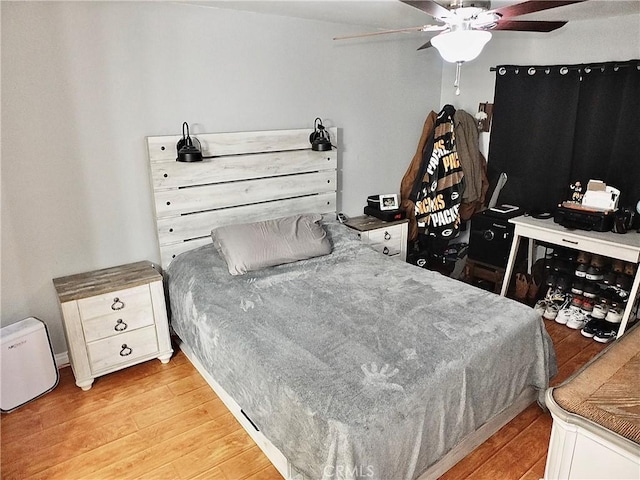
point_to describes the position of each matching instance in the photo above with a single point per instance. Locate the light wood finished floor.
(163, 422)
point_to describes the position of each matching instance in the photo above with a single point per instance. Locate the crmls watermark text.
(341, 471)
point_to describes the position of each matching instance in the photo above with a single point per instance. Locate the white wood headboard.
(244, 177)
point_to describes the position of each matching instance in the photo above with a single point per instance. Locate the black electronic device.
(491, 235)
(384, 215)
(574, 217)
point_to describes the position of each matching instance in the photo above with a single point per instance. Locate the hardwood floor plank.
(536, 472)
(467, 466)
(243, 465)
(269, 473)
(212, 453)
(58, 446)
(156, 455)
(520, 454)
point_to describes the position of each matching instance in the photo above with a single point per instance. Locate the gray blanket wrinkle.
(354, 361)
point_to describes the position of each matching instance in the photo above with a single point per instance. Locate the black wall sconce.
(319, 138)
(187, 151)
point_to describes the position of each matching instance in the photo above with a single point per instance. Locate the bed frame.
(252, 176)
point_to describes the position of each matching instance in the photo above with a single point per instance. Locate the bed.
(344, 365)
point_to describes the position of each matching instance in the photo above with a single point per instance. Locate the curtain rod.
(586, 67)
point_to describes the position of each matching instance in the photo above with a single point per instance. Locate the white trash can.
(28, 367)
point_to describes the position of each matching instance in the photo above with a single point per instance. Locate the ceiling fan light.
(461, 45)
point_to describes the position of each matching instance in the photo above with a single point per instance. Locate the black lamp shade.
(187, 151)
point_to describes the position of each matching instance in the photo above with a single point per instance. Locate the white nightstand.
(113, 318)
(388, 238)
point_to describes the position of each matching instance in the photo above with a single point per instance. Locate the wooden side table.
(388, 238)
(113, 318)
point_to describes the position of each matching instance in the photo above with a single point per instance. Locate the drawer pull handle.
(385, 250)
(125, 350)
(121, 326)
(572, 242)
(387, 236)
(117, 304)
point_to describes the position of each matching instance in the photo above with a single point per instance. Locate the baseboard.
(62, 360)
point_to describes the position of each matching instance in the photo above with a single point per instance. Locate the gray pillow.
(252, 246)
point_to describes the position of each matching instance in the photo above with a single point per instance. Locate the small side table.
(388, 238)
(113, 318)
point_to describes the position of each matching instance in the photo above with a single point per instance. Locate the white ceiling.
(390, 14)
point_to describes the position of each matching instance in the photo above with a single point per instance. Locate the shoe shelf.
(591, 279)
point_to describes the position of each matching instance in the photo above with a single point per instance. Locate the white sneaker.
(564, 315)
(540, 307)
(551, 312)
(578, 320)
(614, 315)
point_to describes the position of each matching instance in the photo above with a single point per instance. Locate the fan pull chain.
(457, 81)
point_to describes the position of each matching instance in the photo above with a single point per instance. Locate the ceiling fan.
(465, 25)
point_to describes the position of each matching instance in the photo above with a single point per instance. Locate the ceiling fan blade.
(528, 25)
(426, 45)
(531, 6)
(424, 28)
(429, 6)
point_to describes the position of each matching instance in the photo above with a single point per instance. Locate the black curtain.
(555, 125)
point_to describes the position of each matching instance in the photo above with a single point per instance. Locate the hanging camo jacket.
(438, 190)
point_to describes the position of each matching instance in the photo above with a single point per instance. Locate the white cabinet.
(113, 318)
(388, 238)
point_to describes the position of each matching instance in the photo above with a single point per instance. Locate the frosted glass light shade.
(461, 45)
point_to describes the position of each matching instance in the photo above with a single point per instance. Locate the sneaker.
(540, 307)
(578, 287)
(565, 314)
(591, 290)
(581, 271)
(577, 301)
(592, 327)
(609, 278)
(577, 321)
(614, 315)
(599, 311)
(607, 333)
(594, 274)
(551, 312)
(587, 304)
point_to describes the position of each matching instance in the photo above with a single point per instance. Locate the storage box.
(28, 366)
(600, 196)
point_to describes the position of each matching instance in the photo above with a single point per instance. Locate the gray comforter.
(355, 364)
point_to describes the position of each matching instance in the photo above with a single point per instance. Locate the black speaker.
(490, 238)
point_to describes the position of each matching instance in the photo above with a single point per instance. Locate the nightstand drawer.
(386, 236)
(117, 323)
(124, 348)
(119, 301)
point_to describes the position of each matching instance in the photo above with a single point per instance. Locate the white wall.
(83, 83)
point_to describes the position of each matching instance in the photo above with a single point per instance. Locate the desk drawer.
(591, 245)
(121, 349)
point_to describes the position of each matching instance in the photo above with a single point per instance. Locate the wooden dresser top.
(98, 282)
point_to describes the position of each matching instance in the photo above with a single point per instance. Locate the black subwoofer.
(490, 238)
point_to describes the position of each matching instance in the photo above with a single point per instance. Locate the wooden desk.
(624, 247)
